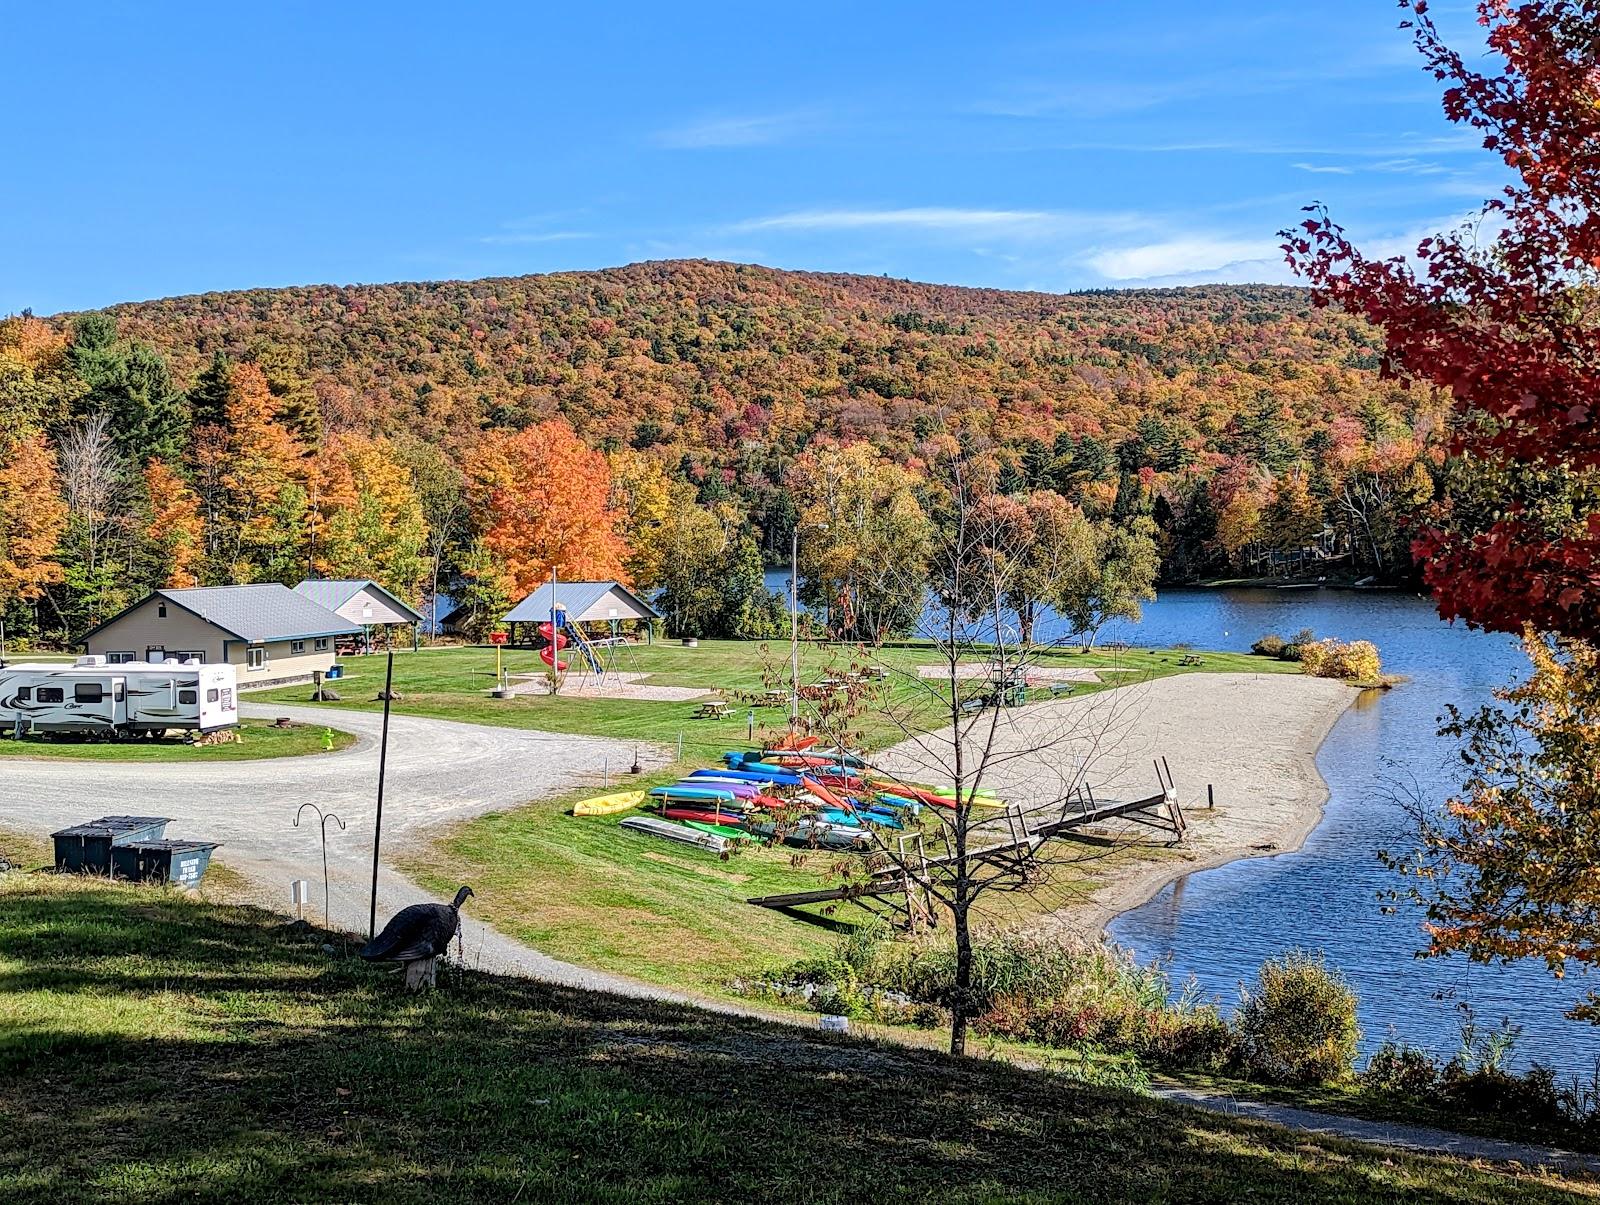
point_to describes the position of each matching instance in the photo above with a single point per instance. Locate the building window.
(121, 657)
(87, 692)
(51, 694)
(192, 655)
(296, 647)
(188, 696)
(255, 657)
(161, 610)
(211, 695)
(322, 644)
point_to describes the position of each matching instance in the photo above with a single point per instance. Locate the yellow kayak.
(602, 805)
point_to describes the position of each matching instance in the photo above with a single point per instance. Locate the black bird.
(417, 935)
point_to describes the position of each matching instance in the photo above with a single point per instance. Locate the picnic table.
(774, 698)
(713, 709)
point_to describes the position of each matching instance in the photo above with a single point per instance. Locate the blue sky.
(163, 149)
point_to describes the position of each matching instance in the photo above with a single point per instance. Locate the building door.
(155, 654)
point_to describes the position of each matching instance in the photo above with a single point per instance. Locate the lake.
(1219, 925)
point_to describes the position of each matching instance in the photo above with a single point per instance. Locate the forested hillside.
(671, 422)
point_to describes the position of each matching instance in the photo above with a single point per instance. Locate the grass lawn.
(586, 890)
(156, 1048)
(259, 739)
(453, 684)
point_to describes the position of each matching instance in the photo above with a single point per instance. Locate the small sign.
(497, 637)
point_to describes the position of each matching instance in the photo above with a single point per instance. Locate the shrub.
(1270, 645)
(1356, 661)
(1298, 1025)
(1292, 649)
(1396, 1069)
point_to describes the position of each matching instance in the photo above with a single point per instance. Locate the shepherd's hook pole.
(377, 828)
(327, 915)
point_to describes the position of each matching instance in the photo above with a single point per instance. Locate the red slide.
(548, 653)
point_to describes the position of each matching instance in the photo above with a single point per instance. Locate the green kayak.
(720, 830)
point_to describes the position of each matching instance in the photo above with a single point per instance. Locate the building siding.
(180, 631)
(368, 608)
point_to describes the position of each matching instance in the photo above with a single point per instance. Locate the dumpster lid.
(111, 824)
(169, 845)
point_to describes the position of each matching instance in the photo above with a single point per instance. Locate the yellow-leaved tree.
(1510, 867)
(369, 519)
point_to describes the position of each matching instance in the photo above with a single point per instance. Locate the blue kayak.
(775, 777)
(682, 792)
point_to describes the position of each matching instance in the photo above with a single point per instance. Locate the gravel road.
(439, 771)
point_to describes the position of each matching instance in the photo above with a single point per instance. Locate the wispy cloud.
(718, 133)
(1179, 256)
(522, 237)
(1012, 222)
(1327, 168)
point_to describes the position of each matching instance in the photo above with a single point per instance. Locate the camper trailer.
(130, 698)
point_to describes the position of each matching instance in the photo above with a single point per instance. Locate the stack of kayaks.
(808, 795)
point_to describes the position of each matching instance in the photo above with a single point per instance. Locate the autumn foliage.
(544, 502)
(1512, 868)
(1502, 315)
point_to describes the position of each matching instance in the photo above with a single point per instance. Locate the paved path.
(441, 771)
(1423, 1139)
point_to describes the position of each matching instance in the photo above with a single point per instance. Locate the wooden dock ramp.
(900, 891)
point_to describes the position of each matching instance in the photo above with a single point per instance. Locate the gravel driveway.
(439, 771)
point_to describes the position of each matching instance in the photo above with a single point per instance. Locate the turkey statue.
(416, 936)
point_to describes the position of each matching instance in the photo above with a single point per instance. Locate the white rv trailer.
(123, 699)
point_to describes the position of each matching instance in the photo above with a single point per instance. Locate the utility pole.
(794, 626)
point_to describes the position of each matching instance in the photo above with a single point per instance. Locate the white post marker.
(300, 889)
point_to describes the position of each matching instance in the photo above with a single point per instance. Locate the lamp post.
(794, 625)
(794, 617)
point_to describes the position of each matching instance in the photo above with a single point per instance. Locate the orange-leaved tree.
(542, 498)
(32, 518)
(175, 529)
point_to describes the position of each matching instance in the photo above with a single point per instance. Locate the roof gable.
(334, 593)
(577, 599)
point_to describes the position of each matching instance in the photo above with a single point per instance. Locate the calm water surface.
(1219, 925)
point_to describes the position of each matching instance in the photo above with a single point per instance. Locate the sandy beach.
(1252, 738)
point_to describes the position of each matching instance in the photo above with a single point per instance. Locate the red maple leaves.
(1503, 313)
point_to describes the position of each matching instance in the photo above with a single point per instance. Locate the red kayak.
(704, 815)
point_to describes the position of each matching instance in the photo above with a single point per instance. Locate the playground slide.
(548, 653)
(569, 634)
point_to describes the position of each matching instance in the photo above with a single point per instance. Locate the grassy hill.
(155, 1047)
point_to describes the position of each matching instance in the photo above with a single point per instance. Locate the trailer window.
(188, 696)
(119, 692)
(88, 692)
(211, 695)
(24, 694)
(51, 694)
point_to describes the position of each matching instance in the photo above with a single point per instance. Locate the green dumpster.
(179, 862)
(86, 848)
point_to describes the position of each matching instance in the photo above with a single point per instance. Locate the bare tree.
(962, 732)
(93, 482)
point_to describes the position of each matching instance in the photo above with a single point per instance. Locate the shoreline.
(1253, 738)
(1126, 888)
